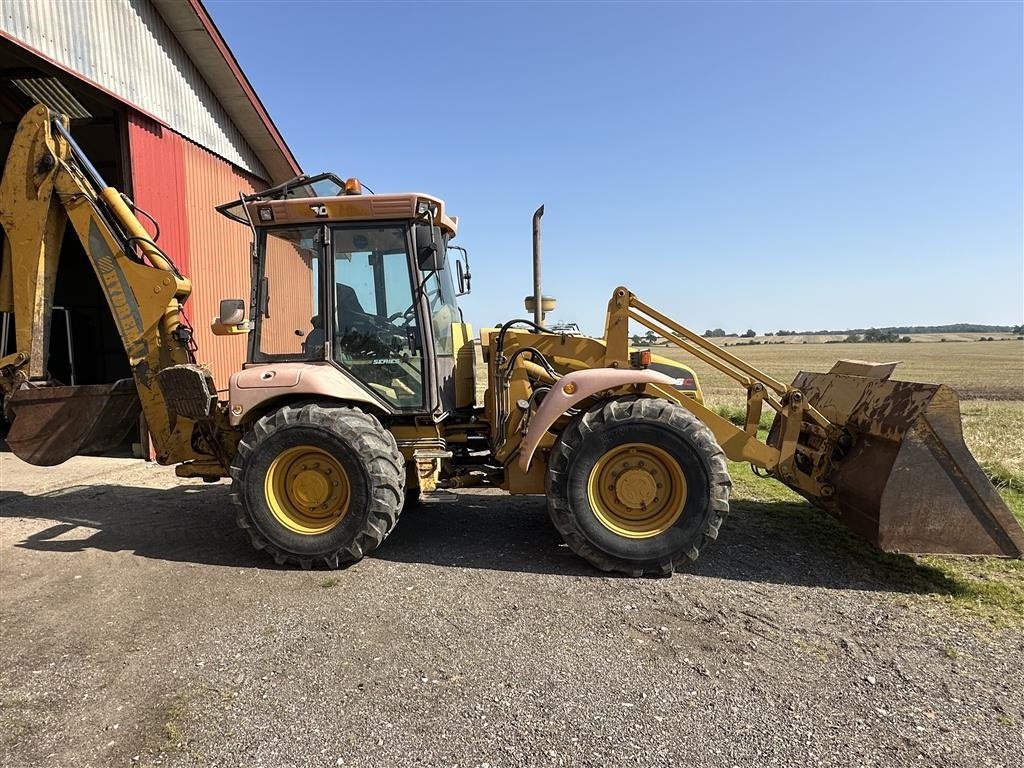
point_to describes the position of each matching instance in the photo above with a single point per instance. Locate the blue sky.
(739, 165)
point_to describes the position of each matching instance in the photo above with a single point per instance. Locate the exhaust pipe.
(538, 309)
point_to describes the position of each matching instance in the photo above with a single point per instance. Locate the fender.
(574, 388)
(253, 386)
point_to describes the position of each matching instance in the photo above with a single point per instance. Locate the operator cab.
(360, 282)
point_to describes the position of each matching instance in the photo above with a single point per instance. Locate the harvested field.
(992, 370)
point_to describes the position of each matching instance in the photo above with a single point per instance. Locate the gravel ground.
(139, 628)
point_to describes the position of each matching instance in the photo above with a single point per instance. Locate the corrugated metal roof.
(127, 48)
(50, 92)
(197, 33)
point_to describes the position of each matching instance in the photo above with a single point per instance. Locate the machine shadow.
(779, 543)
(187, 523)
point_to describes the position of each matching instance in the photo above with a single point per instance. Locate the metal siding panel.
(158, 182)
(126, 47)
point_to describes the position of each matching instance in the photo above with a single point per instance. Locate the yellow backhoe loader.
(360, 388)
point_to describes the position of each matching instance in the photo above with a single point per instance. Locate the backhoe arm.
(48, 182)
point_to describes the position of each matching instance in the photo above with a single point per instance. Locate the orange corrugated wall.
(291, 298)
(218, 255)
(219, 263)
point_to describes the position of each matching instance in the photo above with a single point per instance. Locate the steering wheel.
(408, 316)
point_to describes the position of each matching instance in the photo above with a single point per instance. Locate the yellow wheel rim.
(307, 490)
(637, 490)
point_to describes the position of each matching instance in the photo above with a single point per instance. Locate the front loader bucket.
(49, 425)
(902, 475)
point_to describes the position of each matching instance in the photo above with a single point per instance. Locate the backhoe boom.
(48, 182)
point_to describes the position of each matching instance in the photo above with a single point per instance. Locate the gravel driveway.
(139, 628)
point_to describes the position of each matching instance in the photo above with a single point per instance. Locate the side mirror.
(463, 276)
(232, 311)
(429, 248)
(231, 319)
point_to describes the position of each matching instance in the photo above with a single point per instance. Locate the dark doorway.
(84, 344)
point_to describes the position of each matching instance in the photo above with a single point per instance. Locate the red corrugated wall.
(158, 184)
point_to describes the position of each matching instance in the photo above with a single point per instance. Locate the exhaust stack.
(538, 308)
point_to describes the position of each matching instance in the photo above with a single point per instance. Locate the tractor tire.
(606, 472)
(318, 484)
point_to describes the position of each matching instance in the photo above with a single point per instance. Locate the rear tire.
(637, 485)
(317, 484)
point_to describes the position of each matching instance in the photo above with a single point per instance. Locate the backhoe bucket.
(908, 482)
(49, 425)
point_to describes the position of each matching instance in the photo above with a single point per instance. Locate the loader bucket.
(49, 425)
(903, 477)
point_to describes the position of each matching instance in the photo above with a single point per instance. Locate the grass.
(991, 589)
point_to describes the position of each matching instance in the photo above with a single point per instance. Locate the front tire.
(318, 484)
(637, 485)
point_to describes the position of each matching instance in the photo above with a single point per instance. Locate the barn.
(162, 108)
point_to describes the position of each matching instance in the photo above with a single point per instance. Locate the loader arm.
(779, 458)
(48, 182)
(886, 457)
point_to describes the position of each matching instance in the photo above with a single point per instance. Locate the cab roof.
(326, 197)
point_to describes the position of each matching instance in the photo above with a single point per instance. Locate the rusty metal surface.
(908, 482)
(49, 425)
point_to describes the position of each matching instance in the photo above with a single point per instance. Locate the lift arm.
(795, 414)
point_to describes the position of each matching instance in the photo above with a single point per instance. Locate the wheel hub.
(637, 490)
(307, 490)
(310, 488)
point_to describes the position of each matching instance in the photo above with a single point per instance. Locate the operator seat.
(348, 307)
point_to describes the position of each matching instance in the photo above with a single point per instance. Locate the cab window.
(376, 337)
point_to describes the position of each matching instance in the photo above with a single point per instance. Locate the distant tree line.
(876, 336)
(891, 333)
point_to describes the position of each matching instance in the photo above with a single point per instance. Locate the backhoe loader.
(360, 388)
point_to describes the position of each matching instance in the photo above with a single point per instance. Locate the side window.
(375, 333)
(443, 309)
(292, 326)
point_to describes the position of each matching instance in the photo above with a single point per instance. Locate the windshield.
(376, 336)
